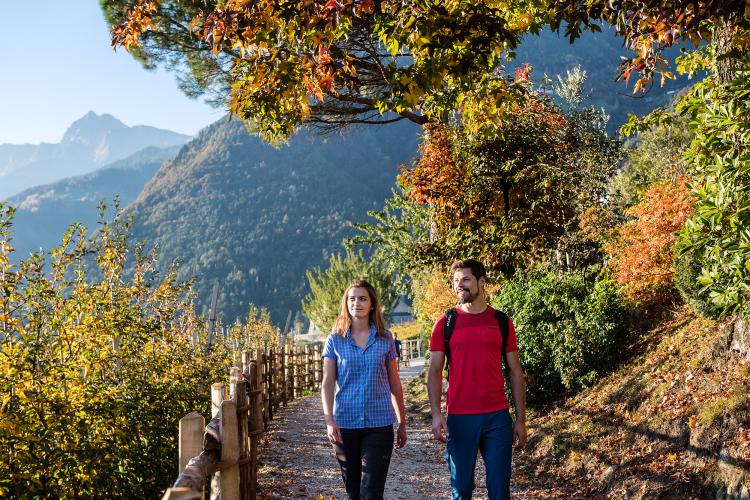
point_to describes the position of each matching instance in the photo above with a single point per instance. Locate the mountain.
(599, 54)
(233, 208)
(44, 212)
(89, 143)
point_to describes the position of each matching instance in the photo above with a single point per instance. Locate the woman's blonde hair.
(344, 321)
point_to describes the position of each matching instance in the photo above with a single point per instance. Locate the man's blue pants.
(492, 435)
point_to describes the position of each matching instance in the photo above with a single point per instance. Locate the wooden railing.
(228, 446)
(410, 349)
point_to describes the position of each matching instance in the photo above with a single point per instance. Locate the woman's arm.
(397, 400)
(327, 391)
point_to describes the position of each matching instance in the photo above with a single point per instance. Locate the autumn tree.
(331, 63)
(651, 27)
(512, 200)
(643, 252)
(323, 303)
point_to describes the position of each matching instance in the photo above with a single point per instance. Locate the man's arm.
(435, 393)
(518, 391)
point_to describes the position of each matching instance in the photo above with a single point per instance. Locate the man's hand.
(401, 435)
(334, 433)
(519, 434)
(439, 428)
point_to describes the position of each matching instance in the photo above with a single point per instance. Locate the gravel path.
(298, 461)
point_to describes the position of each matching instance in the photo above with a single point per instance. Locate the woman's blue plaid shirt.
(363, 394)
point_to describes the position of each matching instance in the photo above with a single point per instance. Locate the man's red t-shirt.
(476, 376)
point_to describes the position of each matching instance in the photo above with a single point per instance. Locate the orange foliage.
(643, 253)
(435, 179)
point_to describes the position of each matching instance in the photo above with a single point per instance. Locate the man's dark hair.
(477, 268)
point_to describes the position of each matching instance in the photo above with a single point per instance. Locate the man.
(478, 410)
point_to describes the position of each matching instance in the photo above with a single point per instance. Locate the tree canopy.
(278, 64)
(332, 63)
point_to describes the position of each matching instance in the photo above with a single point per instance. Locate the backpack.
(450, 324)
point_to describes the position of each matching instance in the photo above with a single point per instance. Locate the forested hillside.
(231, 207)
(44, 212)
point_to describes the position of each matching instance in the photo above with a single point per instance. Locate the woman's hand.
(334, 433)
(401, 435)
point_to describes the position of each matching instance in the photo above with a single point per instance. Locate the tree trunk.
(728, 55)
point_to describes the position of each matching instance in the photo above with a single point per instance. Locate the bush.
(687, 273)
(643, 251)
(96, 368)
(569, 330)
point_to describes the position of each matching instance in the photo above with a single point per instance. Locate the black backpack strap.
(450, 325)
(503, 323)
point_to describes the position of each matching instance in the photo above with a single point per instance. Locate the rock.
(607, 477)
(740, 340)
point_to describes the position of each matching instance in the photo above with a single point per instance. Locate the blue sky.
(56, 64)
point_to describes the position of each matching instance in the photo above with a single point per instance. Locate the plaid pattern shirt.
(363, 394)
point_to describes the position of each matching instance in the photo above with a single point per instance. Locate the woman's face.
(358, 303)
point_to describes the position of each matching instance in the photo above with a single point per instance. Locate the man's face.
(466, 286)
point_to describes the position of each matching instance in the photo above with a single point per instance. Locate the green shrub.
(569, 330)
(687, 273)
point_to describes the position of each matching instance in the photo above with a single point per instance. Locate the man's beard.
(467, 297)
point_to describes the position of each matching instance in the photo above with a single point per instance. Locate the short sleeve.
(512, 344)
(329, 351)
(437, 342)
(391, 350)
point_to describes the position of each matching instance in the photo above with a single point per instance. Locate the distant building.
(401, 313)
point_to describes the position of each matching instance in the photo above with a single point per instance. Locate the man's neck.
(476, 307)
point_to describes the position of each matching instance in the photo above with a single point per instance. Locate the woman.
(360, 358)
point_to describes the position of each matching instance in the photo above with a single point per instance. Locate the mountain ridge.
(89, 143)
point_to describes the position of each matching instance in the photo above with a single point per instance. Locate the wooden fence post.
(271, 383)
(319, 365)
(260, 381)
(192, 426)
(217, 397)
(308, 368)
(256, 400)
(294, 372)
(229, 477)
(181, 494)
(283, 380)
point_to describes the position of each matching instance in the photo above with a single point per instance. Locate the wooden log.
(181, 493)
(229, 478)
(191, 438)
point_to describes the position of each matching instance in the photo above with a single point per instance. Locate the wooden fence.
(410, 349)
(228, 446)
